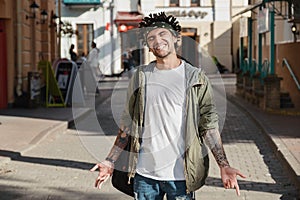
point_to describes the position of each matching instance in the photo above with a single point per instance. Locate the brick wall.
(289, 51)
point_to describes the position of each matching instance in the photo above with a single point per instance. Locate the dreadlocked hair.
(160, 17)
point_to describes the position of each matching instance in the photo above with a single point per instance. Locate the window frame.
(175, 4)
(193, 4)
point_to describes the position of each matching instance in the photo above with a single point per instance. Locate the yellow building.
(27, 34)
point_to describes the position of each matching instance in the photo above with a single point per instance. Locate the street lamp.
(33, 8)
(123, 28)
(295, 31)
(44, 16)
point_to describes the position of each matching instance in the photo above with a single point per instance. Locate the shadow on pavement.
(47, 161)
(13, 192)
(10, 192)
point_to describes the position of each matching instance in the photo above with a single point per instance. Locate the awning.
(250, 7)
(128, 18)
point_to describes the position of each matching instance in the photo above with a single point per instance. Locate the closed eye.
(150, 39)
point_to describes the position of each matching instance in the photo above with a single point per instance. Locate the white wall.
(239, 3)
(222, 10)
(109, 46)
(80, 15)
(126, 5)
(222, 42)
(283, 32)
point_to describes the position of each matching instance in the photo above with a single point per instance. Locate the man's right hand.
(106, 169)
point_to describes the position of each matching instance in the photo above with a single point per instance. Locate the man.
(92, 66)
(73, 55)
(170, 114)
(93, 57)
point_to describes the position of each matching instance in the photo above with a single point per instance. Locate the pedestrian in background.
(125, 61)
(93, 56)
(73, 55)
(93, 61)
(128, 63)
(171, 117)
(92, 64)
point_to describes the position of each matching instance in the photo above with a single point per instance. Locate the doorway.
(3, 66)
(189, 47)
(84, 38)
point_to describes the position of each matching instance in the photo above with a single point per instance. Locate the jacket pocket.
(197, 165)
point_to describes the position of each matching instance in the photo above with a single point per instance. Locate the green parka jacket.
(200, 116)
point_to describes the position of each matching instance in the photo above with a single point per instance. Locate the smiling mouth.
(160, 47)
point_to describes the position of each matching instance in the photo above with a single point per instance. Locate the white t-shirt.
(93, 57)
(93, 63)
(163, 144)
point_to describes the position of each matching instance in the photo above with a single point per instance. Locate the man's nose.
(156, 41)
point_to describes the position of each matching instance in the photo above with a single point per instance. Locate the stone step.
(285, 100)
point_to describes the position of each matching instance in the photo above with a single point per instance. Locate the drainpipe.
(249, 43)
(19, 49)
(112, 41)
(242, 53)
(59, 30)
(259, 52)
(272, 41)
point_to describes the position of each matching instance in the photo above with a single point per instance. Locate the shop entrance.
(3, 66)
(189, 48)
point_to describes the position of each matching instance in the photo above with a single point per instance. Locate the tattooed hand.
(228, 175)
(106, 169)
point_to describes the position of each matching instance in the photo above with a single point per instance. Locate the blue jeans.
(149, 189)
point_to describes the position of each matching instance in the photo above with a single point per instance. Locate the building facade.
(268, 34)
(27, 35)
(207, 23)
(98, 21)
(90, 21)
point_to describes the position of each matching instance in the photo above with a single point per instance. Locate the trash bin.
(34, 89)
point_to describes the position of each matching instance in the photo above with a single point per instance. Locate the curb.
(278, 147)
(56, 128)
(59, 127)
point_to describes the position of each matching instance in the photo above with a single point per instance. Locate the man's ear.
(179, 40)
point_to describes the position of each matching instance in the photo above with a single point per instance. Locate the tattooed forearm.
(213, 140)
(120, 143)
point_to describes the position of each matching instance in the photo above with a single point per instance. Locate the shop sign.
(190, 13)
(243, 26)
(65, 76)
(81, 2)
(198, 14)
(263, 20)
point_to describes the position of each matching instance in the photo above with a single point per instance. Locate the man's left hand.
(228, 175)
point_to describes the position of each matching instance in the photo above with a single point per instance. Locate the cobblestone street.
(58, 168)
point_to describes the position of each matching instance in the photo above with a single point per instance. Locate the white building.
(92, 21)
(207, 22)
(206, 26)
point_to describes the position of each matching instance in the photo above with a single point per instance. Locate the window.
(195, 3)
(174, 3)
(84, 38)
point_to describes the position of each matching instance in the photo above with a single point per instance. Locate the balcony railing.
(285, 63)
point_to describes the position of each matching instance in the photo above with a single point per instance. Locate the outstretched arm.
(106, 167)
(228, 174)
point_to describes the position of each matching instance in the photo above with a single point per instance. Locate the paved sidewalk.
(281, 130)
(22, 129)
